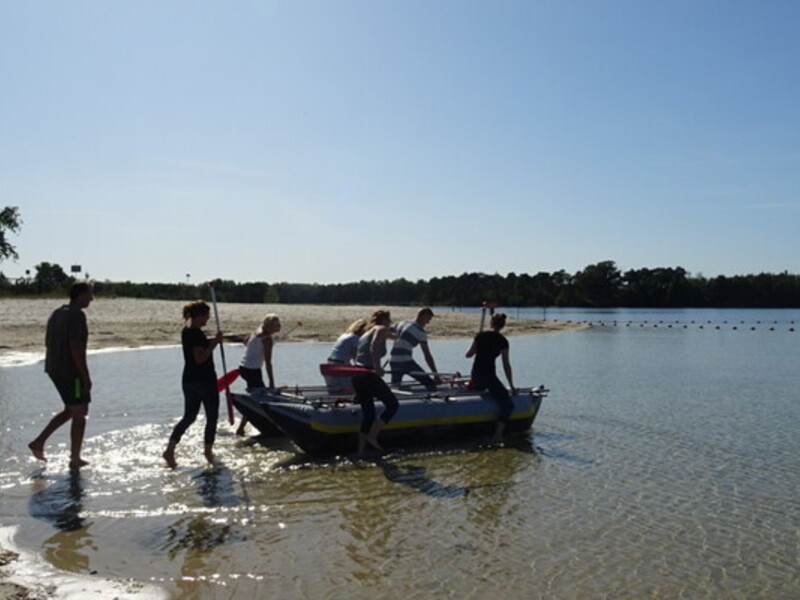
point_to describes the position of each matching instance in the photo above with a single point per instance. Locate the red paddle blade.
(226, 380)
(337, 370)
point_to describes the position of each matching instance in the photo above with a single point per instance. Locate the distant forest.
(598, 285)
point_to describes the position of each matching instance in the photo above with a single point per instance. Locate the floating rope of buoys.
(707, 324)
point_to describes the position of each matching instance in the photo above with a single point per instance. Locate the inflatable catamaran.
(323, 423)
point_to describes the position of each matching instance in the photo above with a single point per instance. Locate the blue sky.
(334, 141)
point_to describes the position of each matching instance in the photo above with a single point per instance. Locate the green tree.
(50, 277)
(599, 284)
(9, 221)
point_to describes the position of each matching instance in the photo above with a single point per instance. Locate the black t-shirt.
(190, 339)
(66, 324)
(488, 346)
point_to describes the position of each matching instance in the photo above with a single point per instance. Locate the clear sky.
(340, 140)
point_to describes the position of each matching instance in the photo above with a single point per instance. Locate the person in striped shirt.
(408, 335)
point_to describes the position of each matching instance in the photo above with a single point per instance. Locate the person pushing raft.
(486, 347)
(408, 335)
(344, 353)
(370, 385)
(258, 353)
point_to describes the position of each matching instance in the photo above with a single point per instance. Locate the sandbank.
(135, 322)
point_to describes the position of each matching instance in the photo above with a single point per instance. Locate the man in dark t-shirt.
(65, 363)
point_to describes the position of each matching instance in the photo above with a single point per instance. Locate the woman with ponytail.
(199, 380)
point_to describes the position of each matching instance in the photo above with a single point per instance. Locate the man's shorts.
(71, 390)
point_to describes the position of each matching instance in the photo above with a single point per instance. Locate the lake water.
(664, 464)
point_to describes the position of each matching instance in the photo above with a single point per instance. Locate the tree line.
(598, 285)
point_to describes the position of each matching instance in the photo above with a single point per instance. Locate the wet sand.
(133, 323)
(10, 590)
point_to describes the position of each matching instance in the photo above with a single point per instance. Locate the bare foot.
(77, 463)
(169, 456)
(37, 451)
(373, 441)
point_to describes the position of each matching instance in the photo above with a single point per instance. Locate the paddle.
(228, 396)
(227, 379)
(490, 305)
(288, 333)
(340, 370)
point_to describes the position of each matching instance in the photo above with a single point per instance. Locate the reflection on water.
(216, 486)
(58, 500)
(552, 444)
(416, 478)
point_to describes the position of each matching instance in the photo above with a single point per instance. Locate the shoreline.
(135, 323)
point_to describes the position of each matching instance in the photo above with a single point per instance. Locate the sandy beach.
(133, 323)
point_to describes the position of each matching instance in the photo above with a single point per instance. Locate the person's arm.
(202, 353)
(507, 369)
(378, 340)
(267, 343)
(352, 352)
(426, 352)
(472, 350)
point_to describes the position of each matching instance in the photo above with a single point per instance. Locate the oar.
(490, 306)
(228, 396)
(226, 380)
(288, 333)
(341, 370)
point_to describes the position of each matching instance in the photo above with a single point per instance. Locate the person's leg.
(78, 413)
(252, 377)
(418, 373)
(505, 404)
(70, 392)
(191, 407)
(211, 406)
(382, 392)
(390, 403)
(255, 381)
(37, 445)
(364, 396)
(398, 370)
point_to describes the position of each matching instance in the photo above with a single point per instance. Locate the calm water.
(663, 465)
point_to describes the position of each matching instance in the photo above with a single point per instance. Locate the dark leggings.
(367, 388)
(252, 377)
(498, 391)
(413, 370)
(195, 394)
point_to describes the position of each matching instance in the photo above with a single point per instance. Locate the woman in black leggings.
(371, 349)
(486, 347)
